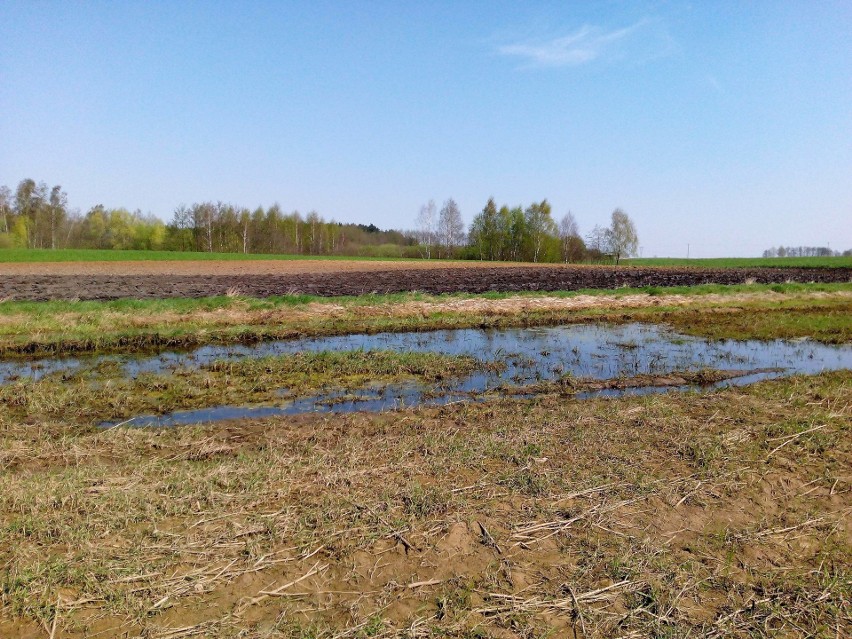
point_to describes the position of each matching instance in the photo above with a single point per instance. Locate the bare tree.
(568, 226)
(425, 226)
(621, 235)
(572, 245)
(245, 222)
(5, 208)
(202, 221)
(57, 208)
(313, 221)
(597, 242)
(31, 203)
(450, 227)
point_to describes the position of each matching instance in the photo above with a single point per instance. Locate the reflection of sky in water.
(599, 351)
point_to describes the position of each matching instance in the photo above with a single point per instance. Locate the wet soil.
(585, 360)
(509, 519)
(39, 286)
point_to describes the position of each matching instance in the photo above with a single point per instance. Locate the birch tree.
(622, 237)
(571, 245)
(540, 226)
(425, 226)
(450, 227)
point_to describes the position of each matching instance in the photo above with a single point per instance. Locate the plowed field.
(148, 280)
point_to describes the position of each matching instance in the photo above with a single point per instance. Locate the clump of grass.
(422, 502)
(702, 452)
(527, 481)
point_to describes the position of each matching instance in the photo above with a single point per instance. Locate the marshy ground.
(722, 513)
(819, 311)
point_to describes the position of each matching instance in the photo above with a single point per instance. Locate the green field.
(744, 262)
(109, 255)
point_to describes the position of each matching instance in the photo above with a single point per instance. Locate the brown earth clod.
(106, 281)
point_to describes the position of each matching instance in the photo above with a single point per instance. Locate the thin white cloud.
(589, 44)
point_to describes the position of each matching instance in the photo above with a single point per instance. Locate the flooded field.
(518, 499)
(514, 361)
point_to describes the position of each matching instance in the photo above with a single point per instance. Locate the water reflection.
(529, 355)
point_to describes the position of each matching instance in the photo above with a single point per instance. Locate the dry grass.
(40, 328)
(724, 514)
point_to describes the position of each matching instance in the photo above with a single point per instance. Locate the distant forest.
(805, 251)
(35, 215)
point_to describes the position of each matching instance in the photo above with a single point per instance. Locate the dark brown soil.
(432, 280)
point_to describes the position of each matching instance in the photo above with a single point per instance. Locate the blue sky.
(723, 125)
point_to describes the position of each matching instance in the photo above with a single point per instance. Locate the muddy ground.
(724, 514)
(720, 514)
(62, 281)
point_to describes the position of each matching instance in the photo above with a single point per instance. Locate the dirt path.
(153, 280)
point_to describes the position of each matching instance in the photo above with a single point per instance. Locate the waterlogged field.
(641, 462)
(393, 370)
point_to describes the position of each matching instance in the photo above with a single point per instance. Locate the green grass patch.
(114, 255)
(827, 324)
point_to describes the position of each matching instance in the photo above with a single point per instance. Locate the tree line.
(805, 251)
(36, 215)
(532, 235)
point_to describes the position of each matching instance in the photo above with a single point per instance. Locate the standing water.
(527, 356)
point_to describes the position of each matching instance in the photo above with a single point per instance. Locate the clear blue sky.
(723, 125)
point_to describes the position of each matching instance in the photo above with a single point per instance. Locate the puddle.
(530, 355)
